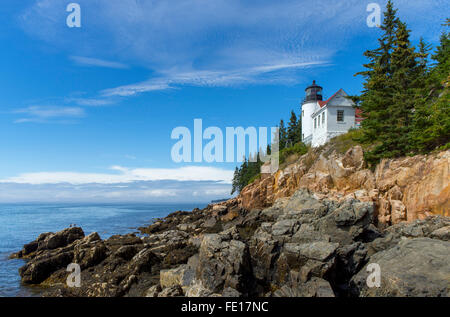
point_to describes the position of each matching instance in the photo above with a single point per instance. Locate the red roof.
(323, 103)
(358, 111)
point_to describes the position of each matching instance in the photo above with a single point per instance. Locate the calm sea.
(20, 224)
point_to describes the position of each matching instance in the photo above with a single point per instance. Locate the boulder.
(415, 267)
(153, 291)
(60, 239)
(223, 263)
(198, 290)
(316, 287)
(39, 269)
(88, 254)
(182, 276)
(442, 233)
(173, 291)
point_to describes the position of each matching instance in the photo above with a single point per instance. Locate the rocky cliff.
(402, 189)
(304, 245)
(315, 228)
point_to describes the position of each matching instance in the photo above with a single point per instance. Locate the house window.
(303, 136)
(340, 116)
(315, 123)
(323, 118)
(318, 121)
(303, 113)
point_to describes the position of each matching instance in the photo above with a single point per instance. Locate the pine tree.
(431, 127)
(283, 135)
(424, 49)
(405, 72)
(378, 93)
(269, 149)
(243, 175)
(235, 182)
(294, 131)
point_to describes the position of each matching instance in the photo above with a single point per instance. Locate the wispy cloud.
(134, 89)
(142, 191)
(125, 175)
(214, 43)
(261, 74)
(122, 184)
(42, 114)
(92, 102)
(89, 61)
(219, 43)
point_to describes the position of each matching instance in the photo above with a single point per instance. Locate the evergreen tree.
(377, 95)
(431, 127)
(294, 131)
(405, 75)
(234, 184)
(424, 49)
(283, 135)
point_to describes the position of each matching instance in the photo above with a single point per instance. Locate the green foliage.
(342, 143)
(283, 135)
(294, 131)
(298, 149)
(246, 173)
(401, 117)
(289, 143)
(431, 124)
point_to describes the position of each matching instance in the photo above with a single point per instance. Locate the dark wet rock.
(127, 252)
(42, 267)
(60, 239)
(90, 251)
(49, 241)
(300, 246)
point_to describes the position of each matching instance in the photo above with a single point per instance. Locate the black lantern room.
(313, 93)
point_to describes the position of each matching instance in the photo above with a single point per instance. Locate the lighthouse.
(324, 120)
(309, 105)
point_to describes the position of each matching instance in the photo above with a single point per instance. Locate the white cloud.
(160, 193)
(141, 191)
(125, 175)
(46, 113)
(92, 102)
(89, 61)
(214, 43)
(260, 74)
(134, 89)
(193, 42)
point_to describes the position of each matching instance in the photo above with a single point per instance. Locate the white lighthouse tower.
(309, 106)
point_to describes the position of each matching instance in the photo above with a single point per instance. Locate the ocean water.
(20, 224)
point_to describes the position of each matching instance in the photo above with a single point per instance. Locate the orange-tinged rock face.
(403, 189)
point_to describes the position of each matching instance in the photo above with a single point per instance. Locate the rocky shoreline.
(303, 245)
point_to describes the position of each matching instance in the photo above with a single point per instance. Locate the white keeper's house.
(323, 120)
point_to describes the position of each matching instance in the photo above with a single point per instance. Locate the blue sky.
(86, 113)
